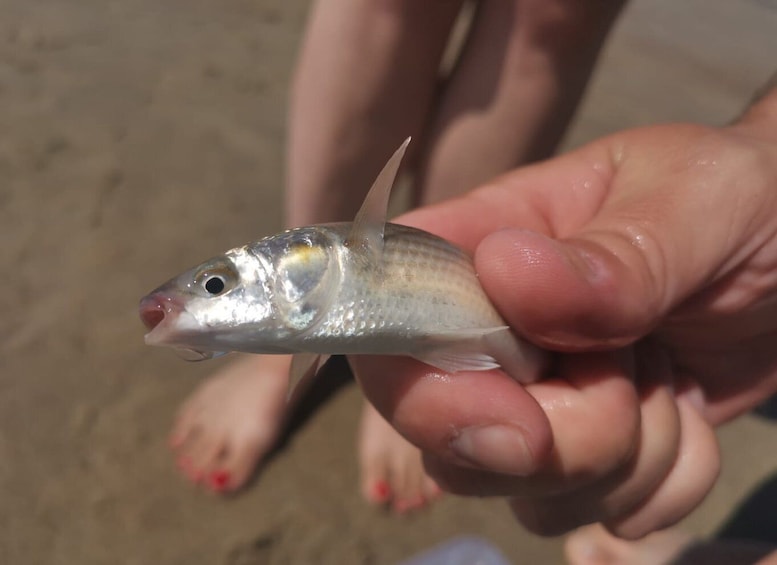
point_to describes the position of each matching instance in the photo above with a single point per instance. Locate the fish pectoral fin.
(304, 367)
(366, 235)
(459, 350)
(194, 355)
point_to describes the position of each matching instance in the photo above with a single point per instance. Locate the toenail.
(381, 491)
(219, 480)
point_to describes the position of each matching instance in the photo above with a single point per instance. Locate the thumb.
(567, 295)
(683, 209)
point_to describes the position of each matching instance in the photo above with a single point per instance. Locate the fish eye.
(216, 278)
(215, 285)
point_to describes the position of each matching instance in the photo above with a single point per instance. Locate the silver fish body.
(422, 287)
(366, 287)
(306, 290)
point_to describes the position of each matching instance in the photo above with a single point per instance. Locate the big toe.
(375, 485)
(409, 481)
(198, 454)
(392, 471)
(236, 466)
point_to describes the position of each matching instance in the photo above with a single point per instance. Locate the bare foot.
(593, 545)
(227, 426)
(231, 422)
(392, 472)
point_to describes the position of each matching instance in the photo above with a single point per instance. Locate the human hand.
(648, 261)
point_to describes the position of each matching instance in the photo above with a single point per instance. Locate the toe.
(410, 477)
(185, 454)
(237, 466)
(218, 481)
(375, 485)
(186, 422)
(402, 485)
(373, 463)
(430, 489)
(205, 455)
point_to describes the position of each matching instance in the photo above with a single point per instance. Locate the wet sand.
(139, 137)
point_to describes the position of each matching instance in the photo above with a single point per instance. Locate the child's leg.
(509, 99)
(366, 79)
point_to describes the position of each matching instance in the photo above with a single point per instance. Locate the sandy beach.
(138, 138)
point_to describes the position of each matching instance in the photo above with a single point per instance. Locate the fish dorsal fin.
(366, 233)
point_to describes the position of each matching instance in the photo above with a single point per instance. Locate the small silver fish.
(366, 287)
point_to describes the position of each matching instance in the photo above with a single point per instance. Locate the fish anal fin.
(366, 235)
(459, 350)
(517, 357)
(304, 367)
(453, 361)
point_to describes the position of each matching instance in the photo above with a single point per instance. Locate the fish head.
(209, 308)
(257, 298)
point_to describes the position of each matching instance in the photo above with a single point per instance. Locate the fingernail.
(695, 396)
(497, 448)
(589, 266)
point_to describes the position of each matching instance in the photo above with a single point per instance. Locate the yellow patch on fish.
(304, 253)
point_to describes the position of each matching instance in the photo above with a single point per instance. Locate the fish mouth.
(158, 312)
(164, 315)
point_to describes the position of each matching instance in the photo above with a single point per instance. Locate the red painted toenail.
(219, 480)
(381, 491)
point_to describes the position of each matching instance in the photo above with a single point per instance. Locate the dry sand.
(138, 137)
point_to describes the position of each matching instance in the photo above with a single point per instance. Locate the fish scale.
(440, 293)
